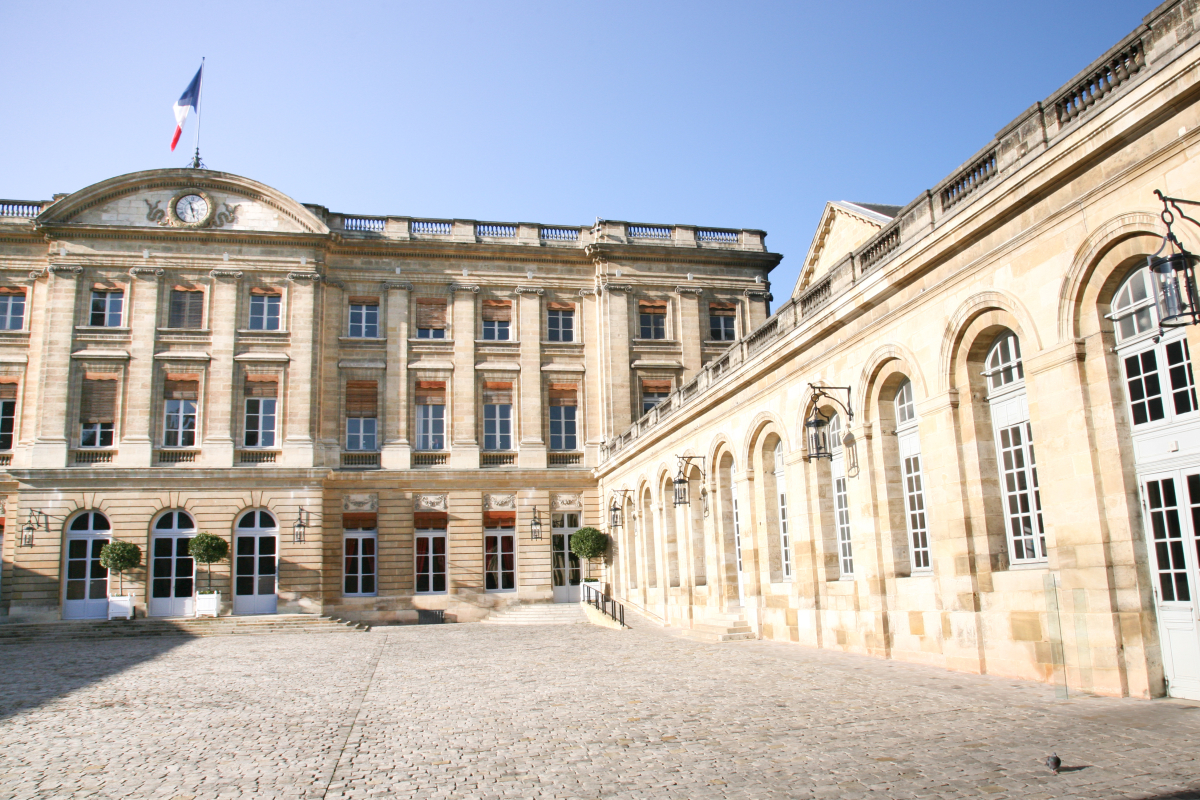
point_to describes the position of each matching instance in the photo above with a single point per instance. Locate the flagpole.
(196, 161)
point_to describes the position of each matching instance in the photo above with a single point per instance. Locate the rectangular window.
(563, 414)
(106, 308)
(652, 319)
(497, 317)
(914, 501)
(362, 410)
(653, 393)
(785, 541)
(430, 547)
(497, 415)
(842, 510)
(12, 309)
(431, 318)
(260, 422)
(431, 415)
(359, 555)
(180, 393)
(264, 311)
(364, 318)
(722, 320)
(560, 323)
(1022, 500)
(1167, 520)
(499, 557)
(98, 409)
(186, 308)
(8, 419)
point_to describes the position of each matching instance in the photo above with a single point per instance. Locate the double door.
(1172, 514)
(172, 577)
(564, 571)
(86, 592)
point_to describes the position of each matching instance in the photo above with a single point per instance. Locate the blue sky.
(732, 115)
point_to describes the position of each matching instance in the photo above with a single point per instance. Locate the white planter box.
(597, 586)
(208, 605)
(120, 606)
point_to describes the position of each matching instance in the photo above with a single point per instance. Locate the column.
(464, 452)
(50, 401)
(224, 311)
(532, 412)
(137, 426)
(397, 450)
(298, 444)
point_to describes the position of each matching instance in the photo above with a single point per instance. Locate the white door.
(1172, 506)
(565, 574)
(85, 590)
(172, 571)
(255, 563)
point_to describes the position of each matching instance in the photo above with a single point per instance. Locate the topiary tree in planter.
(589, 543)
(206, 548)
(120, 557)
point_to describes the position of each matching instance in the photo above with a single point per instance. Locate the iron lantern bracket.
(1174, 274)
(816, 420)
(616, 511)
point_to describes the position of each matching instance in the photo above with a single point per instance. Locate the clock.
(191, 209)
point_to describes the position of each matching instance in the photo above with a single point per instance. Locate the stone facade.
(360, 376)
(973, 556)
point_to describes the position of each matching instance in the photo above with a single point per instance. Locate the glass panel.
(245, 545)
(1168, 537)
(77, 590)
(161, 588)
(98, 590)
(166, 522)
(265, 520)
(76, 570)
(266, 565)
(99, 521)
(558, 566)
(247, 520)
(80, 523)
(77, 548)
(183, 587)
(244, 585)
(266, 584)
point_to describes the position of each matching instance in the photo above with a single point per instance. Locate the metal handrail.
(605, 605)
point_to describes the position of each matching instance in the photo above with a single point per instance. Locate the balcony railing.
(176, 456)
(489, 460)
(560, 234)
(648, 232)
(567, 459)
(93, 456)
(360, 460)
(496, 231)
(367, 224)
(720, 237)
(424, 460)
(257, 456)
(5, 459)
(430, 227)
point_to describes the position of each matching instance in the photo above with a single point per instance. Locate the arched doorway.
(172, 571)
(85, 589)
(255, 563)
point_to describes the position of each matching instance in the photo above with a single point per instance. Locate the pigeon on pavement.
(1053, 762)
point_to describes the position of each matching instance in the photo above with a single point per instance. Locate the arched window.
(785, 541)
(909, 441)
(841, 498)
(1159, 384)
(1014, 450)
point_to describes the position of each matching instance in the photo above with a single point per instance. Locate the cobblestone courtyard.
(572, 711)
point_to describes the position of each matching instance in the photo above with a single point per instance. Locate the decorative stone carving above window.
(566, 502)
(430, 502)
(361, 503)
(500, 502)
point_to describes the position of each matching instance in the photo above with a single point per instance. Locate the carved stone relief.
(361, 503)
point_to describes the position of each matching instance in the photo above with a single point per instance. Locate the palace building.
(967, 439)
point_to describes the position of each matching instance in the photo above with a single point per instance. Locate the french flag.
(190, 99)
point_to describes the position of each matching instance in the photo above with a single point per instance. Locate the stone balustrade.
(26, 209)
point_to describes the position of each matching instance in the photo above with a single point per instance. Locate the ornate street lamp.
(1174, 271)
(816, 426)
(681, 479)
(535, 526)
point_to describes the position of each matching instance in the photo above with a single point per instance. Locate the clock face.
(191, 208)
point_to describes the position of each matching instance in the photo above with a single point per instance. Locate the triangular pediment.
(843, 228)
(145, 199)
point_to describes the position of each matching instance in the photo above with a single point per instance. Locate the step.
(704, 627)
(538, 614)
(705, 636)
(221, 626)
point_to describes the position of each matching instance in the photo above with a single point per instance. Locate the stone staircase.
(730, 626)
(538, 614)
(74, 630)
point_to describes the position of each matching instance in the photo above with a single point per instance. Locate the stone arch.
(754, 430)
(875, 363)
(976, 305)
(1087, 258)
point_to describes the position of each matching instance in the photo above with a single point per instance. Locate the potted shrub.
(206, 548)
(589, 543)
(120, 557)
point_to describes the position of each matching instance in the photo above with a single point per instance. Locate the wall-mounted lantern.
(816, 426)
(681, 479)
(37, 520)
(1174, 271)
(616, 513)
(535, 526)
(300, 526)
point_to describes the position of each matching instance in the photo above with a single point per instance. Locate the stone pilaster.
(464, 451)
(138, 425)
(618, 382)
(224, 311)
(690, 333)
(397, 449)
(298, 443)
(51, 401)
(532, 410)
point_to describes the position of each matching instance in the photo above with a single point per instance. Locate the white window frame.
(182, 412)
(430, 573)
(360, 537)
(112, 308)
(1015, 464)
(266, 312)
(727, 331)
(785, 541)
(362, 434)
(497, 330)
(841, 500)
(916, 510)
(431, 333)
(652, 399)
(494, 571)
(497, 427)
(431, 427)
(567, 435)
(656, 324)
(363, 321)
(12, 312)
(266, 436)
(99, 431)
(556, 331)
